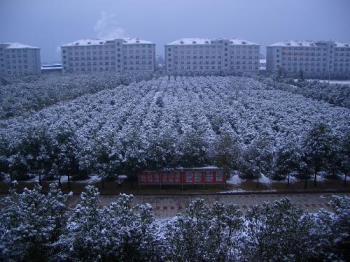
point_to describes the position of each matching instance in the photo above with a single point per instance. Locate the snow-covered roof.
(191, 41)
(295, 43)
(130, 41)
(18, 45)
(307, 43)
(87, 42)
(338, 44)
(241, 42)
(207, 41)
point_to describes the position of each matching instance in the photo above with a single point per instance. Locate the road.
(165, 206)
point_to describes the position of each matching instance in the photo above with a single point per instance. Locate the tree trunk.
(39, 178)
(345, 175)
(305, 184)
(59, 181)
(315, 179)
(103, 182)
(288, 180)
(68, 176)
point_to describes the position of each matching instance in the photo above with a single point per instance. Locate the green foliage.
(204, 233)
(39, 227)
(30, 223)
(320, 150)
(276, 231)
(287, 161)
(227, 152)
(118, 232)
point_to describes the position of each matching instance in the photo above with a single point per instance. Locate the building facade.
(211, 56)
(309, 59)
(116, 55)
(182, 177)
(18, 59)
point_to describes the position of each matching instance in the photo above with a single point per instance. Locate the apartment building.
(310, 59)
(115, 55)
(211, 56)
(18, 59)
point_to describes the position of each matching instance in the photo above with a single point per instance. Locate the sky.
(51, 23)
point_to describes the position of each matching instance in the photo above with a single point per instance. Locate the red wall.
(182, 177)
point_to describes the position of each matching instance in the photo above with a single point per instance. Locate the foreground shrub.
(30, 223)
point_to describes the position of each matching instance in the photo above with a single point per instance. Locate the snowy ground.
(235, 180)
(340, 82)
(165, 206)
(91, 180)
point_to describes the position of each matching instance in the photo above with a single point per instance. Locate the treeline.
(27, 95)
(50, 157)
(236, 123)
(335, 94)
(40, 227)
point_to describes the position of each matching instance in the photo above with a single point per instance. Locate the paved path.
(167, 206)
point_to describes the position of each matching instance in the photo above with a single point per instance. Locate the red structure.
(183, 176)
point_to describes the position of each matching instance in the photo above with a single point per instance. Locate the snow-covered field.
(177, 122)
(24, 96)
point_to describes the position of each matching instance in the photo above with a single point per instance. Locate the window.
(188, 177)
(156, 178)
(209, 177)
(219, 177)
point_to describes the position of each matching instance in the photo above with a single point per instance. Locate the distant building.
(211, 56)
(51, 69)
(262, 64)
(183, 177)
(309, 59)
(116, 55)
(18, 59)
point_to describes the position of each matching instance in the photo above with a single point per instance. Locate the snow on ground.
(64, 179)
(233, 191)
(292, 179)
(339, 82)
(342, 177)
(31, 180)
(264, 180)
(321, 177)
(234, 180)
(91, 180)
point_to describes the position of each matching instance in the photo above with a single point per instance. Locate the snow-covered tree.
(227, 152)
(203, 233)
(116, 232)
(318, 148)
(276, 231)
(287, 161)
(160, 123)
(4, 162)
(257, 158)
(30, 222)
(329, 234)
(67, 158)
(341, 225)
(345, 156)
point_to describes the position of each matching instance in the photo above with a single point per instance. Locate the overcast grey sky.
(50, 23)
